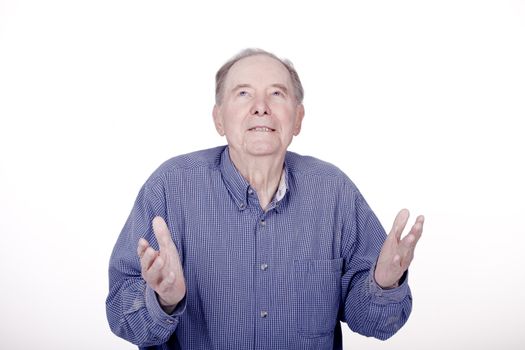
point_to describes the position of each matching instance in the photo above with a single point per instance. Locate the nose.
(260, 107)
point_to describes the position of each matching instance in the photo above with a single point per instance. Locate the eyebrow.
(281, 86)
(241, 86)
(276, 85)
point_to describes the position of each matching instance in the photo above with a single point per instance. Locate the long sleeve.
(132, 308)
(275, 279)
(368, 309)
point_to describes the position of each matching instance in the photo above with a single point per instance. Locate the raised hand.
(162, 269)
(396, 253)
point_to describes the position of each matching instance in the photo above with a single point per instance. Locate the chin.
(263, 149)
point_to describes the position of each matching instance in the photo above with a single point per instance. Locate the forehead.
(257, 70)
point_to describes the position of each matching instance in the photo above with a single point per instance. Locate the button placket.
(263, 276)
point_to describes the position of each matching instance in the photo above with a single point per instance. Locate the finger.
(400, 223)
(408, 245)
(155, 270)
(141, 247)
(414, 235)
(407, 259)
(421, 221)
(162, 233)
(417, 228)
(147, 259)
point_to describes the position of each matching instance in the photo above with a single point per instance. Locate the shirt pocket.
(317, 285)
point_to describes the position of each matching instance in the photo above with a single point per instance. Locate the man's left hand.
(396, 253)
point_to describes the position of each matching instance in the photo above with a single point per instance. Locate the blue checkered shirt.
(280, 278)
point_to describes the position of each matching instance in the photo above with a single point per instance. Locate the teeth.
(262, 129)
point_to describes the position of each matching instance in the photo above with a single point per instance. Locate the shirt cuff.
(388, 296)
(158, 314)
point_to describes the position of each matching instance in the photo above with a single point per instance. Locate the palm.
(397, 253)
(162, 269)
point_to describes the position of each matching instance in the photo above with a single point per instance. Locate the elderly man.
(249, 246)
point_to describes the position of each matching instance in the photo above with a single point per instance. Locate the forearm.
(132, 308)
(135, 314)
(376, 312)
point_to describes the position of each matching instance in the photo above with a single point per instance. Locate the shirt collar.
(238, 186)
(281, 190)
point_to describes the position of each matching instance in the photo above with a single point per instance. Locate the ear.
(217, 119)
(298, 119)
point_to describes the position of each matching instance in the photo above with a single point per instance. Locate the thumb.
(162, 233)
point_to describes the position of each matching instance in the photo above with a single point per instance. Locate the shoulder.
(195, 162)
(310, 166)
(310, 169)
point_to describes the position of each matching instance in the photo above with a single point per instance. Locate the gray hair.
(220, 77)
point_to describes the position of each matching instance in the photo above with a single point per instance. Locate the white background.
(421, 103)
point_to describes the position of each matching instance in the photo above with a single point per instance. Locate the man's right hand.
(162, 269)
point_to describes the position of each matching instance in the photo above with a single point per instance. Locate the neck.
(263, 173)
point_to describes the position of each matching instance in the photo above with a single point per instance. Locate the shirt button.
(243, 205)
(169, 321)
(263, 223)
(250, 191)
(264, 267)
(264, 314)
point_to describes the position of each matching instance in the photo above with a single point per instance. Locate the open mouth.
(261, 129)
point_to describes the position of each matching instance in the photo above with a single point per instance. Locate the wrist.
(395, 285)
(166, 307)
(387, 285)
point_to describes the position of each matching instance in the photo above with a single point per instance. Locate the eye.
(243, 93)
(277, 93)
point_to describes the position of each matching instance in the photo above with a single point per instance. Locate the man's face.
(258, 113)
